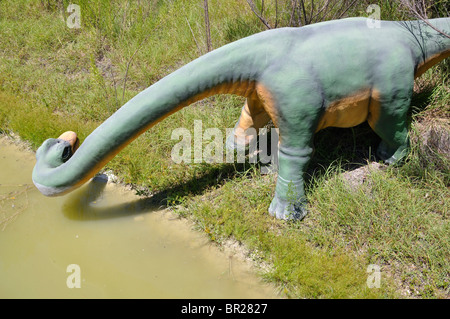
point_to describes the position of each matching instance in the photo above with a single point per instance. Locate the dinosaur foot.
(392, 156)
(283, 209)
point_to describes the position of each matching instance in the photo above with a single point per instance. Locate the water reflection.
(89, 203)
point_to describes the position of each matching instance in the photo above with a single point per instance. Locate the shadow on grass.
(421, 100)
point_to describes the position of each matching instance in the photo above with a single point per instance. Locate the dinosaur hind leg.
(390, 102)
(388, 118)
(253, 117)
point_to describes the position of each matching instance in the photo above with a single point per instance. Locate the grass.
(408, 230)
(298, 266)
(53, 78)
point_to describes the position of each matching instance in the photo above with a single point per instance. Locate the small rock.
(357, 177)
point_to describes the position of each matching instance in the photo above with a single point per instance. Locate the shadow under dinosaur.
(337, 73)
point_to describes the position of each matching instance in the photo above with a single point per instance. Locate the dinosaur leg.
(253, 117)
(289, 201)
(388, 118)
(390, 102)
(296, 127)
(394, 144)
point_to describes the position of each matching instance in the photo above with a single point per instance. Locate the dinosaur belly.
(347, 112)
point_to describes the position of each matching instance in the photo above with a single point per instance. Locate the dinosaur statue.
(336, 73)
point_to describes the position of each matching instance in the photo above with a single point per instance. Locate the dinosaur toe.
(283, 209)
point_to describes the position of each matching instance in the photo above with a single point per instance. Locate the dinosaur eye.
(67, 153)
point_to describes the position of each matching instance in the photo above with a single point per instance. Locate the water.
(106, 241)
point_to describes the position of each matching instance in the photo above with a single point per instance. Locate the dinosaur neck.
(230, 69)
(429, 46)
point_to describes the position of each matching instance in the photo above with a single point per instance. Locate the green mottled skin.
(304, 70)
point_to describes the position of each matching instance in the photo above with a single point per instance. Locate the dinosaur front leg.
(294, 153)
(289, 201)
(294, 102)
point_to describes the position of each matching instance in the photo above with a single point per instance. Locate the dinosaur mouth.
(71, 138)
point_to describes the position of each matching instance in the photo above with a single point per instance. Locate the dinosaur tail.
(431, 41)
(442, 24)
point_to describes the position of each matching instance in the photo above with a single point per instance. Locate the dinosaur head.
(56, 151)
(51, 154)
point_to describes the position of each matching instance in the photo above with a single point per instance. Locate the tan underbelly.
(347, 112)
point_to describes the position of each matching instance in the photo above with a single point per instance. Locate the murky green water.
(119, 245)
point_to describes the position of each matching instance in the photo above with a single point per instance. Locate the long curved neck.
(233, 68)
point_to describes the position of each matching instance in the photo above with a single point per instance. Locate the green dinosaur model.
(336, 73)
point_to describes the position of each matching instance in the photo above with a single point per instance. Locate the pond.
(102, 241)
